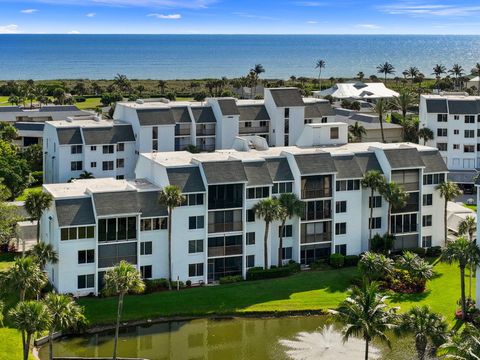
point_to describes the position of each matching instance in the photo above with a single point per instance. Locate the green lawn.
(6, 260)
(23, 195)
(88, 104)
(471, 207)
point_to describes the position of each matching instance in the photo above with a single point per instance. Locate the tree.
(33, 154)
(360, 75)
(291, 206)
(449, 191)
(463, 252)
(438, 70)
(123, 83)
(65, 314)
(171, 196)
(320, 64)
(403, 102)
(8, 132)
(365, 313)
(9, 216)
(426, 327)
(468, 226)
(476, 71)
(86, 175)
(417, 268)
(374, 180)
(162, 84)
(387, 69)
(44, 253)
(36, 202)
(396, 198)
(457, 71)
(426, 134)
(381, 107)
(269, 210)
(25, 274)
(412, 72)
(59, 95)
(374, 266)
(124, 278)
(255, 76)
(30, 317)
(462, 346)
(13, 168)
(357, 131)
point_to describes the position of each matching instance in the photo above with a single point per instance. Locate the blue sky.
(240, 17)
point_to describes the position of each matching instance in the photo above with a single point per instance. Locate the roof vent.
(69, 119)
(139, 101)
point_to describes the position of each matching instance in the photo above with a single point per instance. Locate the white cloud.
(74, 32)
(309, 3)
(28, 11)
(166, 16)
(252, 16)
(430, 9)
(312, 22)
(368, 26)
(91, 15)
(9, 29)
(186, 4)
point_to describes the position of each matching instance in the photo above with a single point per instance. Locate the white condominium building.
(93, 224)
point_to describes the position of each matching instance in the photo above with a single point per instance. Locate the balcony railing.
(316, 193)
(112, 261)
(225, 227)
(319, 215)
(314, 238)
(253, 129)
(225, 250)
(205, 132)
(182, 131)
(410, 186)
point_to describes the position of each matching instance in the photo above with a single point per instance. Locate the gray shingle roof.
(151, 117)
(116, 203)
(347, 167)
(253, 112)
(228, 107)
(188, 179)
(30, 126)
(287, 97)
(318, 163)
(463, 107)
(257, 173)
(203, 114)
(69, 136)
(53, 108)
(279, 169)
(149, 205)
(403, 158)
(75, 212)
(10, 109)
(224, 172)
(433, 162)
(319, 109)
(108, 135)
(437, 106)
(367, 162)
(181, 114)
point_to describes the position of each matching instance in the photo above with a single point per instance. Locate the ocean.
(203, 56)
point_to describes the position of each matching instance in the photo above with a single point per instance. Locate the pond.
(303, 337)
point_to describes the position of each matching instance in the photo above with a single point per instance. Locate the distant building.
(357, 91)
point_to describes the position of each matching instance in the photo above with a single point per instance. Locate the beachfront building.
(454, 120)
(95, 223)
(357, 91)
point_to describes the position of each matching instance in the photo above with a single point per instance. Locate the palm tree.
(122, 82)
(463, 252)
(387, 69)
(30, 317)
(411, 72)
(456, 71)
(357, 131)
(374, 266)
(469, 226)
(403, 102)
(396, 198)
(36, 203)
(255, 76)
(381, 107)
(438, 70)
(25, 274)
(374, 180)
(162, 84)
(426, 134)
(476, 70)
(124, 278)
(364, 313)
(417, 268)
(360, 75)
(291, 206)
(449, 191)
(171, 196)
(60, 95)
(269, 210)
(426, 326)
(86, 175)
(65, 313)
(2, 307)
(44, 253)
(320, 64)
(462, 346)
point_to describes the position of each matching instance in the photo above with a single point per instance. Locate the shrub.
(422, 252)
(351, 260)
(37, 178)
(320, 264)
(230, 279)
(188, 283)
(79, 99)
(382, 244)
(401, 281)
(257, 273)
(155, 285)
(180, 284)
(337, 260)
(171, 96)
(294, 266)
(434, 251)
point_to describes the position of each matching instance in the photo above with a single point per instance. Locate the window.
(258, 192)
(287, 253)
(93, 148)
(426, 241)
(120, 177)
(93, 164)
(193, 200)
(250, 261)
(308, 121)
(250, 215)
(154, 138)
(195, 246)
(456, 146)
(117, 229)
(195, 269)
(146, 271)
(317, 210)
(282, 187)
(120, 147)
(427, 199)
(426, 220)
(456, 131)
(375, 202)
(478, 147)
(442, 146)
(76, 166)
(324, 120)
(468, 148)
(403, 223)
(442, 117)
(441, 132)
(287, 231)
(86, 256)
(287, 113)
(153, 224)
(86, 281)
(196, 222)
(341, 249)
(469, 134)
(433, 179)
(108, 149)
(456, 117)
(250, 238)
(334, 133)
(107, 165)
(469, 119)
(248, 124)
(76, 149)
(146, 248)
(341, 207)
(120, 163)
(348, 185)
(340, 228)
(74, 233)
(375, 223)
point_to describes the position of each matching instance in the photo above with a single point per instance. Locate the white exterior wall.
(296, 124)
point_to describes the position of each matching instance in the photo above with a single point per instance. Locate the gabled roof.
(224, 172)
(150, 117)
(149, 205)
(318, 109)
(279, 169)
(203, 114)
(53, 108)
(367, 162)
(347, 167)
(116, 203)
(317, 163)
(404, 158)
(433, 162)
(228, 107)
(75, 212)
(437, 106)
(69, 136)
(287, 97)
(257, 173)
(108, 135)
(463, 107)
(253, 112)
(188, 179)
(181, 114)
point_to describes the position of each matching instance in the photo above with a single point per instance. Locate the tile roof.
(150, 117)
(279, 169)
(75, 212)
(108, 135)
(181, 114)
(188, 179)
(228, 107)
(224, 172)
(257, 173)
(437, 106)
(347, 167)
(404, 158)
(318, 163)
(69, 136)
(203, 114)
(253, 112)
(433, 162)
(287, 97)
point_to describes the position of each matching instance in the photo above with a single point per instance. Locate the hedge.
(337, 260)
(351, 260)
(257, 273)
(230, 279)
